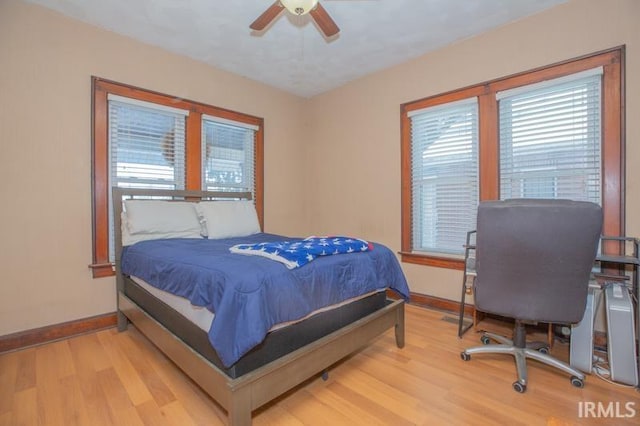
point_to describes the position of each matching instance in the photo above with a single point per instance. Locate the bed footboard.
(246, 393)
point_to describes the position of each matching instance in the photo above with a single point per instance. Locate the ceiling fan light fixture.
(299, 7)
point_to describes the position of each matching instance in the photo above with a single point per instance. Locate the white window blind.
(146, 147)
(550, 139)
(444, 145)
(228, 155)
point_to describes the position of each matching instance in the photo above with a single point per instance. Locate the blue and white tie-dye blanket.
(294, 254)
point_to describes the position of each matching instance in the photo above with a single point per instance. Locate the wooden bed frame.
(240, 396)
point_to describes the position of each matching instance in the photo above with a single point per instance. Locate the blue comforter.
(251, 294)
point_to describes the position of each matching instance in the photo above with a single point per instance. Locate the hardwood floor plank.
(73, 407)
(59, 359)
(202, 409)
(26, 370)
(311, 411)
(151, 415)
(52, 365)
(121, 406)
(275, 415)
(88, 350)
(360, 409)
(110, 378)
(133, 384)
(488, 408)
(382, 394)
(8, 373)
(154, 383)
(401, 376)
(88, 356)
(176, 414)
(6, 419)
(25, 408)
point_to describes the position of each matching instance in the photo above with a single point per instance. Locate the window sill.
(101, 270)
(430, 260)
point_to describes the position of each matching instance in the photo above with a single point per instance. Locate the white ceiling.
(291, 54)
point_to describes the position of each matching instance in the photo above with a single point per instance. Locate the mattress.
(198, 315)
(276, 344)
(202, 317)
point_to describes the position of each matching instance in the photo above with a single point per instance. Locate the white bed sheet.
(198, 315)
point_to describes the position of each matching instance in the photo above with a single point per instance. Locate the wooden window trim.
(613, 143)
(100, 266)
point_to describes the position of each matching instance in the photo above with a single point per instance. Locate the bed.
(254, 349)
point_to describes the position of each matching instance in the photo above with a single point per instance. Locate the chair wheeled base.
(521, 351)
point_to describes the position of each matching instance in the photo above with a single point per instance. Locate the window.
(147, 145)
(228, 155)
(554, 132)
(144, 139)
(444, 175)
(550, 139)
(147, 148)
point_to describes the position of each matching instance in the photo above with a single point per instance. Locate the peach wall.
(356, 128)
(346, 141)
(46, 61)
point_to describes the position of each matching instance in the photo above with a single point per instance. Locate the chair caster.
(575, 381)
(465, 356)
(485, 340)
(544, 350)
(519, 387)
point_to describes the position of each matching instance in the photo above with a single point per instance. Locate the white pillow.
(226, 219)
(127, 238)
(152, 220)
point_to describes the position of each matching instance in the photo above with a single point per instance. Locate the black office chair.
(533, 263)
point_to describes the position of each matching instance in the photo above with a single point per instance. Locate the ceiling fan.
(298, 7)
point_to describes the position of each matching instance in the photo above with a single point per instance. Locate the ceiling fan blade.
(267, 16)
(324, 21)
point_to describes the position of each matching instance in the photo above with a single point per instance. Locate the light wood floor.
(111, 378)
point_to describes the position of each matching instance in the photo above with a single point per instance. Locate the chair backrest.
(534, 258)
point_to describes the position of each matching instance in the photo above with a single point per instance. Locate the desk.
(612, 268)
